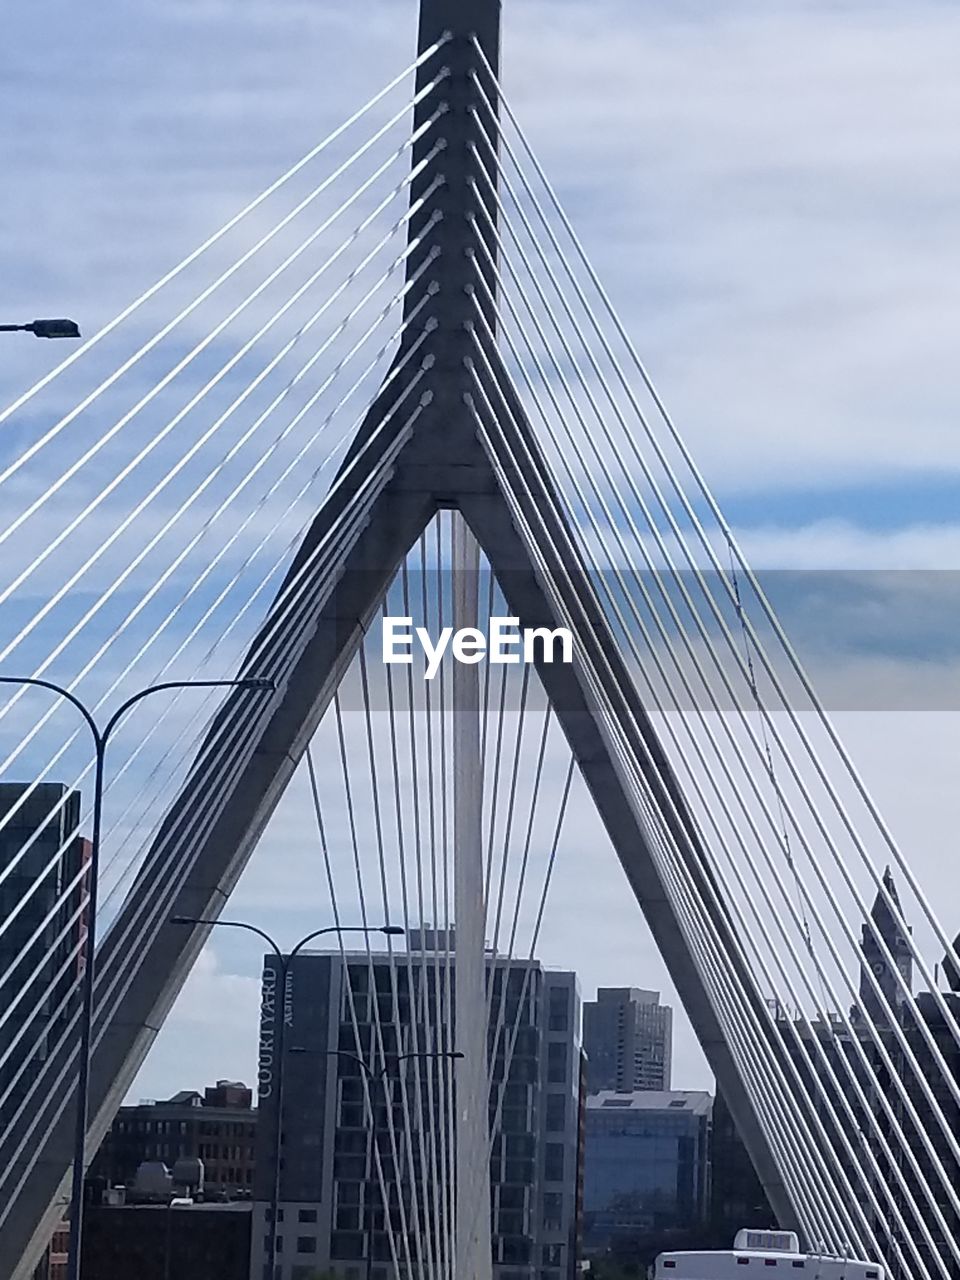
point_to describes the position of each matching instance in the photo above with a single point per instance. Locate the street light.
(101, 738)
(45, 328)
(284, 962)
(374, 1078)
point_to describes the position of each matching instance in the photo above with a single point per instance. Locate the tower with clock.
(894, 933)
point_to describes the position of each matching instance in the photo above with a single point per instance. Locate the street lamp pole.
(375, 1077)
(283, 963)
(100, 737)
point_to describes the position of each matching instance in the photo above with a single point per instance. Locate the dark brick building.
(218, 1126)
(156, 1242)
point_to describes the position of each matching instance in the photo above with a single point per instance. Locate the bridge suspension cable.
(174, 522)
(193, 256)
(260, 482)
(601, 504)
(637, 619)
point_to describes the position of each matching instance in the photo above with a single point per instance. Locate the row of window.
(386, 976)
(206, 1151)
(390, 1001)
(207, 1128)
(223, 1151)
(303, 1215)
(304, 1244)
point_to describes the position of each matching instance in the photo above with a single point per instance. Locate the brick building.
(218, 1126)
(156, 1242)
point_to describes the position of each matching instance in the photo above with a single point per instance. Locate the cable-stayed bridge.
(393, 386)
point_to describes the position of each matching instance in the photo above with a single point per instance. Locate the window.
(515, 1251)
(553, 1162)
(512, 1119)
(556, 1063)
(512, 1197)
(556, 1112)
(552, 1210)
(349, 1168)
(558, 1017)
(306, 1215)
(306, 1244)
(510, 1222)
(519, 1172)
(346, 1244)
(350, 1141)
(553, 1255)
(351, 1115)
(521, 1146)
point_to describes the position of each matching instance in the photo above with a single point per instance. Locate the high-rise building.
(331, 1206)
(41, 907)
(646, 1164)
(627, 1037)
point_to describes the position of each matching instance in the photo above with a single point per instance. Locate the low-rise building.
(53, 1264)
(646, 1164)
(217, 1126)
(160, 1242)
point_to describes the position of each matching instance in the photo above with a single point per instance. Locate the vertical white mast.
(473, 1260)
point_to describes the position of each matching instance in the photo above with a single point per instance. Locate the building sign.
(266, 1065)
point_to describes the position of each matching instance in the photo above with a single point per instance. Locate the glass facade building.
(646, 1163)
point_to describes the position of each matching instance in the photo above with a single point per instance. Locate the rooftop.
(687, 1101)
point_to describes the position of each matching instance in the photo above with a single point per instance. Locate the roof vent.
(772, 1241)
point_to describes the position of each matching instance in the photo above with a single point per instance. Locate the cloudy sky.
(769, 192)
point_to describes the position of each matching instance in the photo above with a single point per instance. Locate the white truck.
(762, 1255)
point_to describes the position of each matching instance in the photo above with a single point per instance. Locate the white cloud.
(840, 544)
(211, 1033)
(766, 193)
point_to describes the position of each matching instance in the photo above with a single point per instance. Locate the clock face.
(879, 968)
